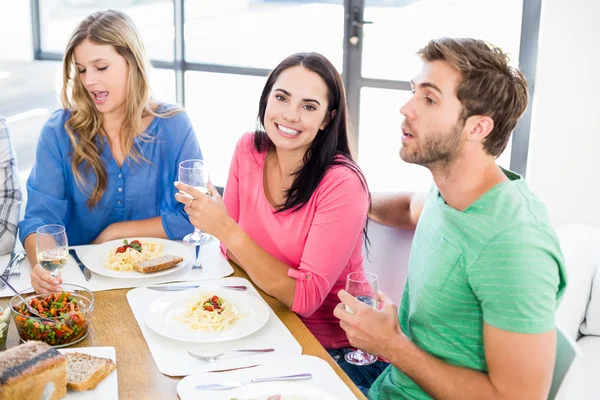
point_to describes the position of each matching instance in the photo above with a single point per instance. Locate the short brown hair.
(489, 86)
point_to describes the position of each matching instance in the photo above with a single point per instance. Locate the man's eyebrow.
(289, 94)
(428, 85)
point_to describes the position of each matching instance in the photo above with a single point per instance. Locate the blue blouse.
(135, 191)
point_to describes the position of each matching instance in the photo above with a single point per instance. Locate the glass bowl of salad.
(65, 314)
(4, 322)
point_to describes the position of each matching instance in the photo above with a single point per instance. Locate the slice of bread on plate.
(32, 370)
(85, 372)
(157, 264)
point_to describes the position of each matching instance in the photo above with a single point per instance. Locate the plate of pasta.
(134, 258)
(207, 315)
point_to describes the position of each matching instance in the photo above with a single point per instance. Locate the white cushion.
(591, 325)
(580, 245)
(583, 384)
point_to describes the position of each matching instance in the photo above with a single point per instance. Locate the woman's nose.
(89, 79)
(291, 114)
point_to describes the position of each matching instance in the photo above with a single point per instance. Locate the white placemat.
(214, 263)
(108, 389)
(171, 356)
(324, 379)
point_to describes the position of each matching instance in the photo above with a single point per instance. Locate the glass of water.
(194, 173)
(363, 286)
(52, 248)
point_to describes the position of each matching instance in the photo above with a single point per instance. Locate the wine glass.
(52, 248)
(194, 173)
(363, 286)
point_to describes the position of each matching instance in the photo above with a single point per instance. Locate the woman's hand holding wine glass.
(52, 251)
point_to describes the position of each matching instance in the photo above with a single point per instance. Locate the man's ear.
(327, 119)
(479, 127)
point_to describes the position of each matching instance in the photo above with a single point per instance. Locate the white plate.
(95, 258)
(107, 389)
(163, 315)
(324, 384)
(258, 391)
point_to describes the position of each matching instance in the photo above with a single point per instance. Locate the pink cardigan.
(322, 242)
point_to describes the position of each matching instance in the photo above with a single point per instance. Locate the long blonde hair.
(84, 126)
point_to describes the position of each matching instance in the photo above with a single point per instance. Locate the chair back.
(387, 257)
(567, 355)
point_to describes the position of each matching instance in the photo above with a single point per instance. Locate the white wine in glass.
(52, 248)
(363, 286)
(194, 173)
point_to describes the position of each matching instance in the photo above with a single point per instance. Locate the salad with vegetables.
(4, 314)
(65, 321)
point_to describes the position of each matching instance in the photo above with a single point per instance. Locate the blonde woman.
(105, 163)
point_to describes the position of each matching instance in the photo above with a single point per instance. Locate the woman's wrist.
(232, 234)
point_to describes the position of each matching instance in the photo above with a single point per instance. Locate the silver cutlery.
(197, 264)
(86, 272)
(6, 274)
(165, 288)
(29, 308)
(232, 369)
(214, 358)
(16, 269)
(235, 384)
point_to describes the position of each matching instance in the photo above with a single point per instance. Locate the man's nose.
(407, 110)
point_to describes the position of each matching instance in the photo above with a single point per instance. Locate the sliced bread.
(157, 264)
(85, 372)
(32, 370)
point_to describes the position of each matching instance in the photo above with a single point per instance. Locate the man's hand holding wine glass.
(375, 331)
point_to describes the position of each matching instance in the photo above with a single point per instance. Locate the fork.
(210, 359)
(17, 268)
(197, 264)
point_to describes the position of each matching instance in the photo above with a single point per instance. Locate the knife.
(6, 272)
(235, 384)
(186, 287)
(231, 369)
(82, 267)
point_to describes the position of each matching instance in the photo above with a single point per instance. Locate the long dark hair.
(329, 144)
(329, 148)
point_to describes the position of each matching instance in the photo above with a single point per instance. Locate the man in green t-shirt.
(486, 271)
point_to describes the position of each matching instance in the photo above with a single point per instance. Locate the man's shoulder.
(509, 211)
(6, 151)
(3, 128)
(514, 208)
(507, 206)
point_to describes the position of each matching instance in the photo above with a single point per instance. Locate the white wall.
(15, 30)
(564, 157)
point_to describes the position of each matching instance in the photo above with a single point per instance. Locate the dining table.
(113, 324)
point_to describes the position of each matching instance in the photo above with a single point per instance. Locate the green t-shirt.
(498, 262)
